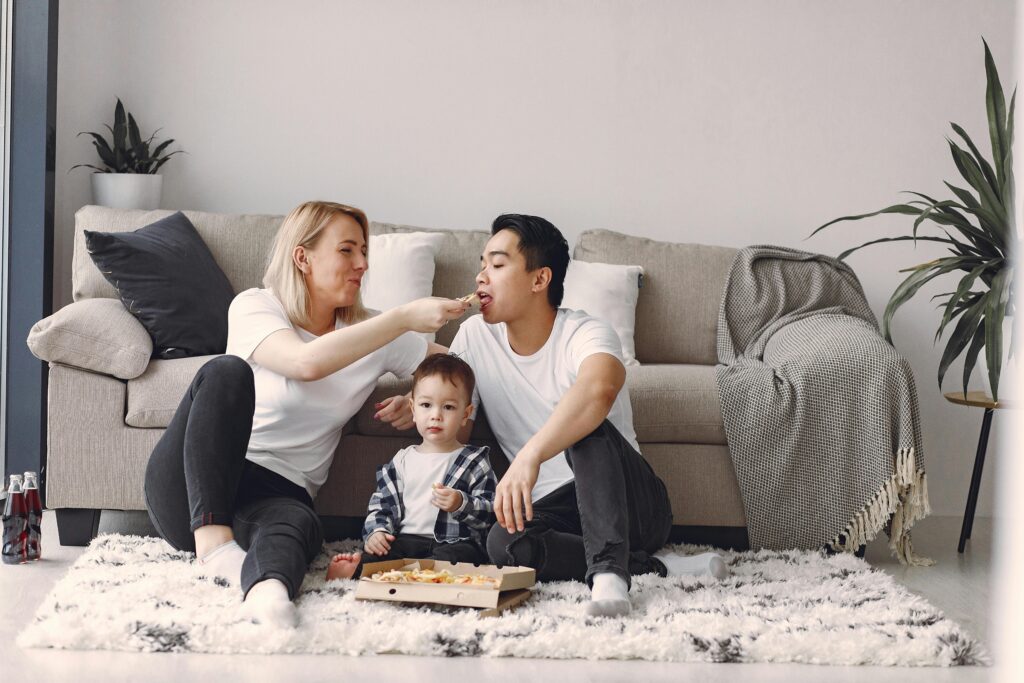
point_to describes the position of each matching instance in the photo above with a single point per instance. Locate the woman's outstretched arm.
(285, 353)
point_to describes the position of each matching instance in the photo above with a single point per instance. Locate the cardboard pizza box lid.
(511, 589)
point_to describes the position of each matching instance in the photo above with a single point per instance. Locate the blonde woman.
(234, 476)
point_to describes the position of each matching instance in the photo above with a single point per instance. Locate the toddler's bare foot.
(343, 566)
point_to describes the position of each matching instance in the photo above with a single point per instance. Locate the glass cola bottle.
(15, 523)
(34, 512)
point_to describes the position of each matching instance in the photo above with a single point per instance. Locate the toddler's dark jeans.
(423, 547)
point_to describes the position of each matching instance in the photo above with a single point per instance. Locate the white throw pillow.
(608, 292)
(401, 269)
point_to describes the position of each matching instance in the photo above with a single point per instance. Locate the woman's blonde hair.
(302, 228)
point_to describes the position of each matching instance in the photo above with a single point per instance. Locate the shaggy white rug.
(137, 594)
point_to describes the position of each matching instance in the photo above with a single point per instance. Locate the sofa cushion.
(154, 395)
(677, 314)
(166, 277)
(403, 269)
(240, 244)
(675, 404)
(455, 267)
(608, 292)
(98, 335)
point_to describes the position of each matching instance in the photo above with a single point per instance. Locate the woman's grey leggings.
(198, 475)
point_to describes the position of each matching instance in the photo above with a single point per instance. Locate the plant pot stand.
(975, 399)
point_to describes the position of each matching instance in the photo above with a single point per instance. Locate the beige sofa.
(101, 428)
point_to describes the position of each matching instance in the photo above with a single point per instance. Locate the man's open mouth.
(484, 299)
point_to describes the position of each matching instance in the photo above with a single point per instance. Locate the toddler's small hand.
(379, 543)
(445, 498)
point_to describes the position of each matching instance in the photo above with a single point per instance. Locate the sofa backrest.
(240, 243)
(677, 311)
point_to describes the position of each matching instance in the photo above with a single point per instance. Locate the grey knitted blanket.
(820, 411)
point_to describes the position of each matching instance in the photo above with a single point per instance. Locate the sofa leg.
(77, 526)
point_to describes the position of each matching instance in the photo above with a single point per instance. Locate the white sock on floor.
(609, 596)
(268, 603)
(225, 560)
(694, 565)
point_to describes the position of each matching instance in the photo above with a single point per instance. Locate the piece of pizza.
(432, 576)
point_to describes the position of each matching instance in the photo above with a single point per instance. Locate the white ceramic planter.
(1009, 374)
(127, 190)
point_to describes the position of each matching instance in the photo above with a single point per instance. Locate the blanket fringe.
(901, 501)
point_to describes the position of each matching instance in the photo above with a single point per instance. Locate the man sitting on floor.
(578, 501)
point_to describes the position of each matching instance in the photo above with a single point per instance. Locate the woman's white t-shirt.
(297, 424)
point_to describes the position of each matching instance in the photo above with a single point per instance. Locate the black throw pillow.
(166, 276)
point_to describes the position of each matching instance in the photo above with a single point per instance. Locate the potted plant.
(979, 230)
(128, 178)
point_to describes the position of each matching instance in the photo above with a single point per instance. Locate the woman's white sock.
(694, 565)
(225, 560)
(268, 603)
(609, 596)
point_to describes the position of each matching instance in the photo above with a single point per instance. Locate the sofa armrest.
(93, 334)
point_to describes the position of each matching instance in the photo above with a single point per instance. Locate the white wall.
(722, 122)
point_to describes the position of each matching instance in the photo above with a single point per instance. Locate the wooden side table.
(975, 399)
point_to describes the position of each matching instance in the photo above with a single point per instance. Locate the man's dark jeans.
(611, 518)
(198, 475)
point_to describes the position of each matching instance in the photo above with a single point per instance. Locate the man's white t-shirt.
(297, 424)
(519, 393)
(417, 473)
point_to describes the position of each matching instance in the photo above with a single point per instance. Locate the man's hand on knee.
(513, 498)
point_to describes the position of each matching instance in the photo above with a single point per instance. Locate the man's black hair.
(542, 245)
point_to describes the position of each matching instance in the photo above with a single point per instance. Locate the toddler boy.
(436, 499)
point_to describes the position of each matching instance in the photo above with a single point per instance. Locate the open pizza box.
(511, 585)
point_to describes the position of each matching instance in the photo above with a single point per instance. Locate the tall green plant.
(127, 152)
(979, 230)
